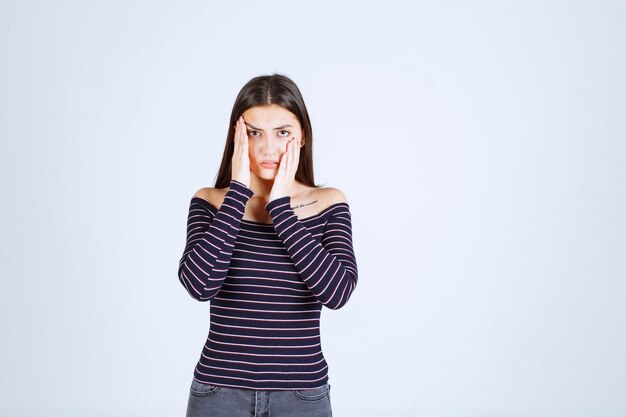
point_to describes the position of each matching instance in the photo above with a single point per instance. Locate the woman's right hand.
(241, 160)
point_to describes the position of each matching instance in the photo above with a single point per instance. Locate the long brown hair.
(270, 89)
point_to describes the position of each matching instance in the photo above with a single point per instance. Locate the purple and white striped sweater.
(267, 284)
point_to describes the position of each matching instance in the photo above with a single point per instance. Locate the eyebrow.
(276, 128)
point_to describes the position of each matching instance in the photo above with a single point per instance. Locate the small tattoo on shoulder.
(304, 204)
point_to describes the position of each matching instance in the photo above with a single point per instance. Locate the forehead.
(270, 115)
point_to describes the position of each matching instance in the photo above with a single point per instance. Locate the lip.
(269, 164)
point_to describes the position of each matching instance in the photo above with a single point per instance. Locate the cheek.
(255, 149)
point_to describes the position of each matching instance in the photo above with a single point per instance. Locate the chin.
(266, 175)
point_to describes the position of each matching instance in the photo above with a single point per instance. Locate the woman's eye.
(285, 133)
(253, 132)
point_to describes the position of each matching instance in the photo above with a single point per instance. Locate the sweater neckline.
(308, 218)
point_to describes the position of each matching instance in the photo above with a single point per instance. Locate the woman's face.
(269, 127)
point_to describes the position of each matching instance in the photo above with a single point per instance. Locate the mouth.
(269, 164)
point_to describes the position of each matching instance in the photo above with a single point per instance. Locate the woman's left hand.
(286, 170)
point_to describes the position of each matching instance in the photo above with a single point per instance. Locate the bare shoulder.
(215, 196)
(328, 196)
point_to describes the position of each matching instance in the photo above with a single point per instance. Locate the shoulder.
(214, 196)
(328, 196)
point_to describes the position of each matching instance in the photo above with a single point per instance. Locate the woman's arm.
(210, 243)
(328, 269)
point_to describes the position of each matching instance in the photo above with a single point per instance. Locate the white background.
(481, 146)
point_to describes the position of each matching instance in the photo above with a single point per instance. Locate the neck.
(260, 186)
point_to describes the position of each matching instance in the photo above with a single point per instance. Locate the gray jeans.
(207, 400)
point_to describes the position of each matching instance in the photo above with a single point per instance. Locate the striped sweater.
(267, 284)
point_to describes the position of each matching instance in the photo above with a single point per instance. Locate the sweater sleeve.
(327, 268)
(210, 242)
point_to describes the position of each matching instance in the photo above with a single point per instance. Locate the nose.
(269, 146)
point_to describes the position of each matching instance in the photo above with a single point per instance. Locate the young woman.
(268, 248)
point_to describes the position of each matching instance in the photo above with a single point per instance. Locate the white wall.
(480, 144)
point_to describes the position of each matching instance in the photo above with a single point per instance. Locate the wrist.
(242, 182)
(241, 187)
(278, 204)
(273, 197)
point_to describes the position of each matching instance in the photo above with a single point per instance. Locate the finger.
(241, 143)
(292, 155)
(241, 134)
(290, 151)
(236, 140)
(295, 150)
(237, 131)
(296, 155)
(281, 165)
(244, 134)
(292, 145)
(288, 154)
